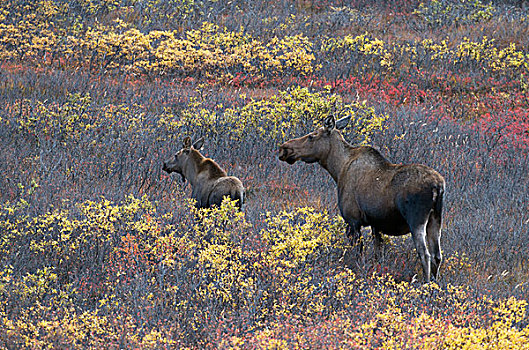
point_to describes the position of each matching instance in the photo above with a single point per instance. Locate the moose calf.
(209, 182)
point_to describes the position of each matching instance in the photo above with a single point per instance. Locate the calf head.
(313, 146)
(181, 158)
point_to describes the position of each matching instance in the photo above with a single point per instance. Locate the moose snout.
(165, 167)
(286, 154)
(282, 153)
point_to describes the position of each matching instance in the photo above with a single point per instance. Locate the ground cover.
(100, 248)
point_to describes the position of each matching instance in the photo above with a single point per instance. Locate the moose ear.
(187, 142)
(342, 123)
(198, 143)
(329, 123)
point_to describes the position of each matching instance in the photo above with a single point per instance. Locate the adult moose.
(209, 182)
(393, 199)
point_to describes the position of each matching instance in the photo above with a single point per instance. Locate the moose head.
(181, 158)
(314, 146)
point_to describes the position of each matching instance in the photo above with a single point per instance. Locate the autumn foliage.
(101, 249)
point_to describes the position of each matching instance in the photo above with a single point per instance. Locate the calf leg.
(214, 199)
(433, 234)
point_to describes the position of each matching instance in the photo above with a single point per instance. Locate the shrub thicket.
(100, 248)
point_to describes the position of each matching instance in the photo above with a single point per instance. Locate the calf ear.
(342, 123)
(198, 143)
(187, 142)
(329, 123)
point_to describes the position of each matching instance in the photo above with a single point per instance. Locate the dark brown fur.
(393, 199)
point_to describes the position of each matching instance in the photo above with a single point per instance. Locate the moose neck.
(191, 168)
(337, 157)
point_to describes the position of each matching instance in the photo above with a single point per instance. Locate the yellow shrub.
(277, 118)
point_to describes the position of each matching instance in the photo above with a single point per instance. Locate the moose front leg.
(355, 238)
(379, 243)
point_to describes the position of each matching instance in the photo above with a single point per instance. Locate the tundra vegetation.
(101, 248)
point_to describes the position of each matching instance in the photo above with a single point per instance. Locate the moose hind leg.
(433, 234)
(215, 199)
(239, 197)
(418, 233)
